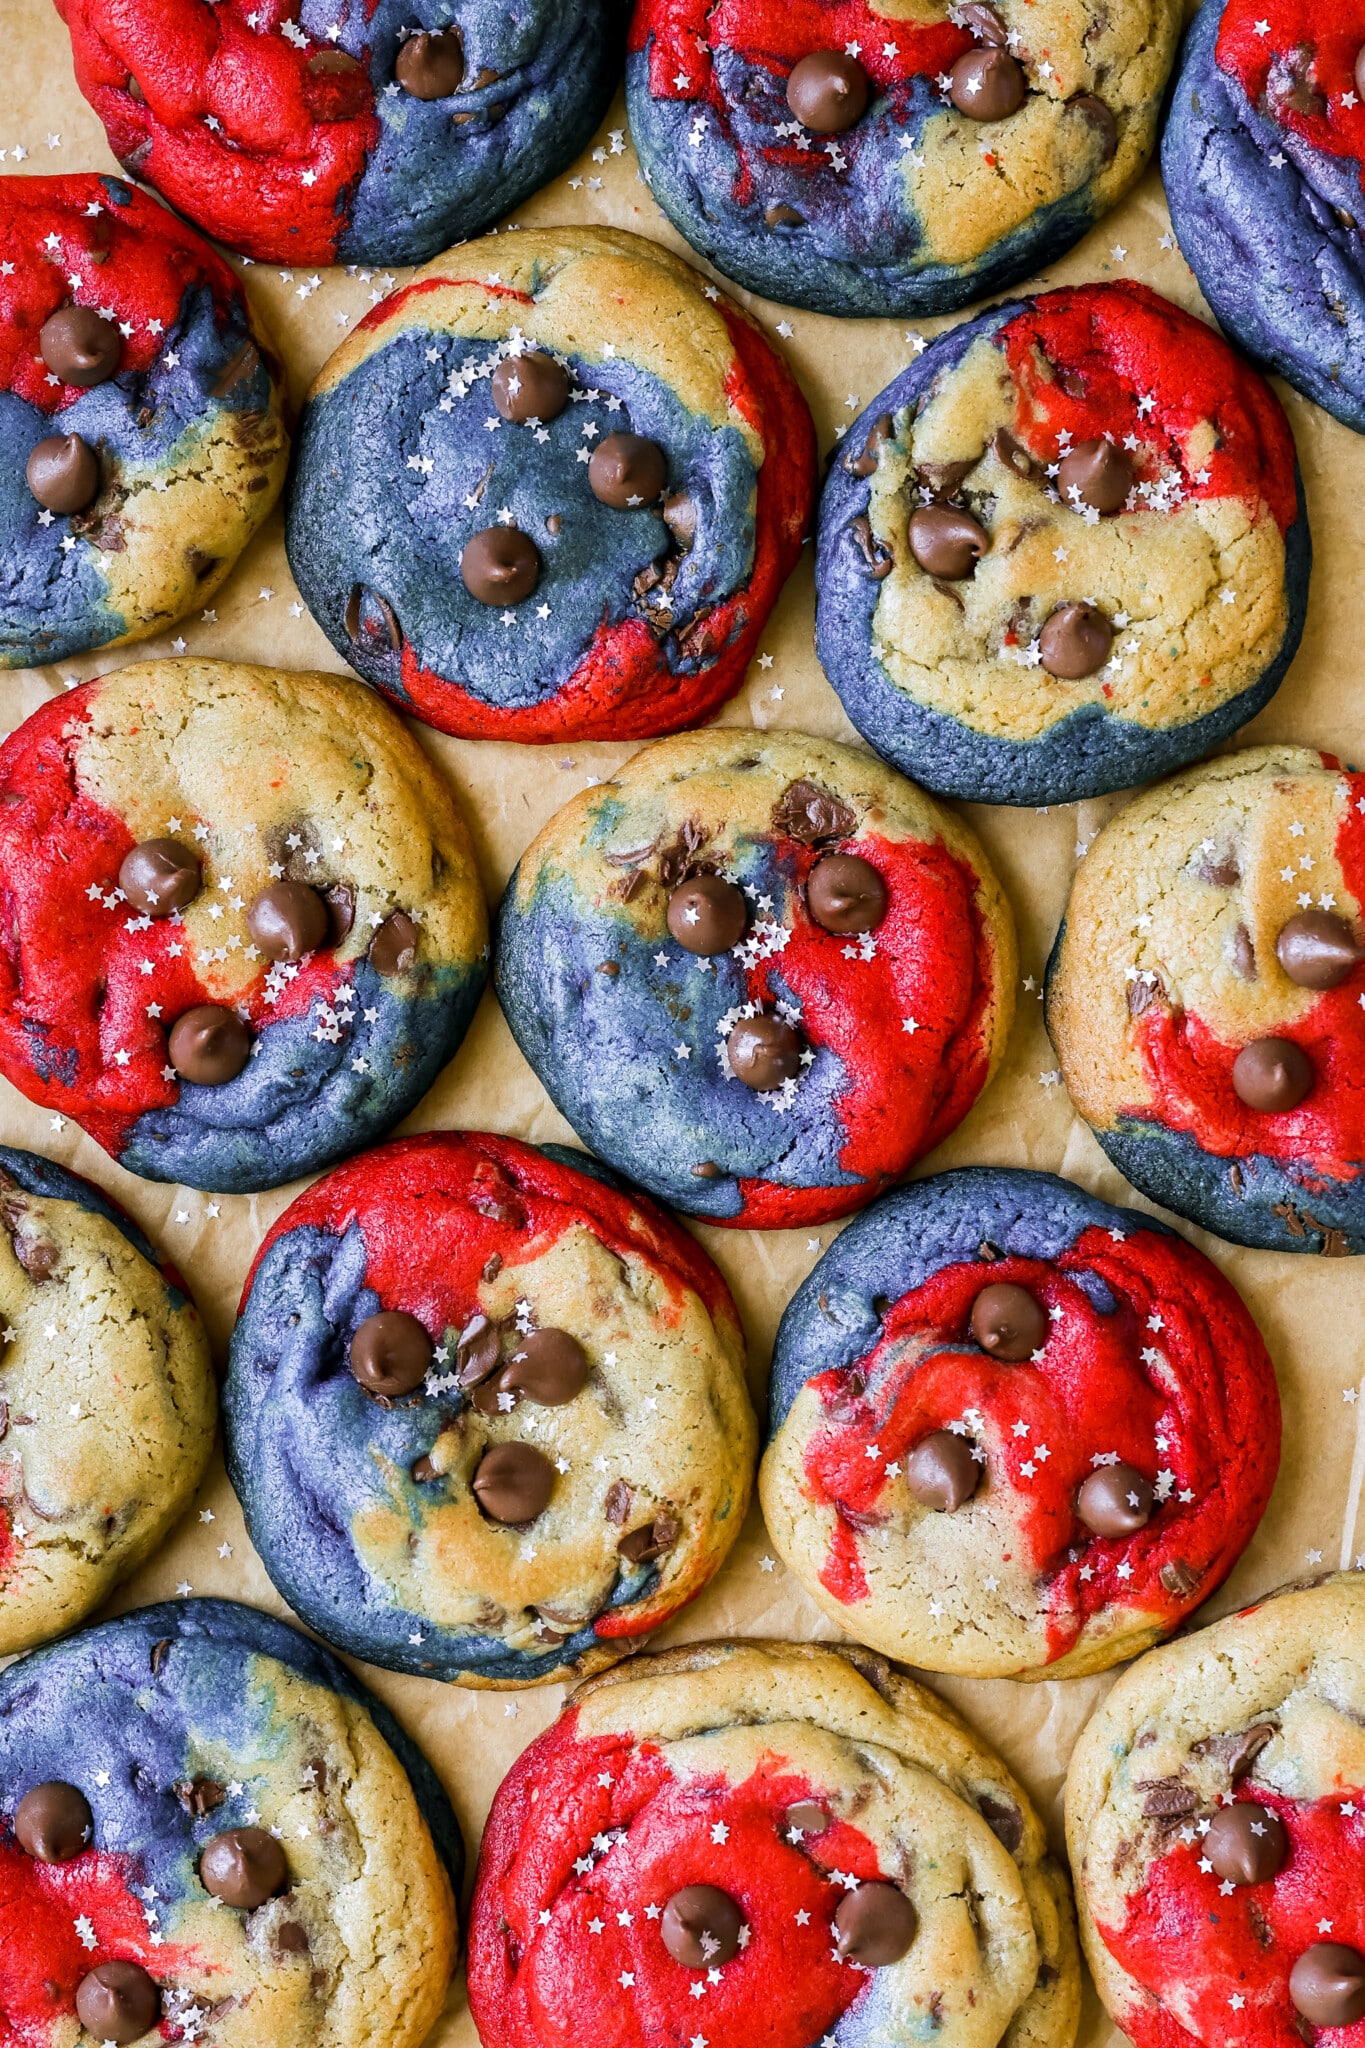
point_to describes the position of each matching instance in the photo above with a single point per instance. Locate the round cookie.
(244, 931)
(759, 973)
(107, 1399)
(1206, 997)
(142, 437)
(206, 1822)
(696, 1826)
(550, 490)
(1262, 160)
(1015, 1432)
(893, 159)
(520, 1395)
(1065, 551)
(1215, 1813)
(313, 133)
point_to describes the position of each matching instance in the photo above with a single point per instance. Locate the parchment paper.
(1309, 1309)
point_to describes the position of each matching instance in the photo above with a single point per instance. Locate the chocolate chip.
(1008, 1322)
(478, 1351)
(878, 559)
(874, 1926)
(53, 1822)
(1246, 1843)
(118, 2002)
(1272, 1075)
(393, 949)
(780, 216)
(1360, 72)
(530, 387)
(291, 1939)
(500, 565)
(947, 542)
(1007, 450)
(64, 473)
(865, 462)
(1179, 1578)
(332, 63)
(707, 1169)
(1005, 1822)
(627, 470)
(244, 1867)
(80, 346)
(642, 1546)
(360, 624)
(845, 893)
(941, 1472)
(1076, 642)
(1318, 950)
(828, 91)
(943, 478)
(707, 915)
(1327, 1984)
(987, 85)
(390, 1354)
(1247, 1747)
(984, 23)
(199, 1796)
(1244, 953)
(340, 901)
(209, 1045)
(513, 1483)
(431, 67)
(423, 1471)
(616, 1506)
(680, 517)
(159, 876)
(1116, 1500)
(288, 920)
(1098, 474)
(1101, 119)
(812, 815)
(764, 1052)
(548, 1367)
(1167, 1798)
(806, 1818)
(701, 1927)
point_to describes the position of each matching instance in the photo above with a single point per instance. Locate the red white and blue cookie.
(1063, 552)
(520, 1393)
(1206, 997)
(550, 490)
(142, 439)
(760, 974)
(1215, 1814)
(1015, 1432)
(768, 1842)
(346, 131)
(243, 929)
(893, 156)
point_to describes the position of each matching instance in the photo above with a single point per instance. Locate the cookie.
(209, 1832)
(1262, 161)
(696, 1827)
(550, 490)
(486, 1416)
(107, 1399)
(1015, 1432)
(879, 159)
(318, 133)
(1063, 552)
(1215, 1815)
(1206, 997)
(759, 973)
(244, 932)
(142, 437)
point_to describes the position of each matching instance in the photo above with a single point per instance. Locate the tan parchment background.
(1311, 1311)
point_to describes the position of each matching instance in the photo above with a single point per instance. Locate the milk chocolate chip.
(947, 542)
(875, 1926)
(53, 1822)
(1096, 474)
(288, 920)
(1101, 118)
(118, 2002)
(243, 1867)
(1272, 1074)
(701, 1927)
(1327, 1984)
(530, 387)
(393, 949)
(80, 346)
(806, 1818)
(1008, 1322)
(513, 1483)
(627, 470)
(1246, 1843)
(845, 893)
(987, 85)
(500, 565)
(209, 1045)
(63, 473)
(764, 1052)
(1116, 1500)
(159, 876)
(941, 1472)
(1076, 642)
(1317, 950)
(548, 1367)
(828, 91)
(707, 915)
(431, 67)
(390, 1353)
